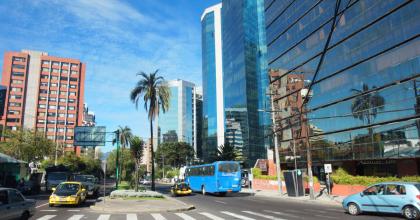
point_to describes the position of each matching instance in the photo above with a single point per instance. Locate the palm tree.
(136, 149)
(365, 107)
(156, 94)
(125, 135)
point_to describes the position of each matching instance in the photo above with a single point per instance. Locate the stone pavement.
(324, 199)
(119, 205)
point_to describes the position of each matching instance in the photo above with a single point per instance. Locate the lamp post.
(117, 171)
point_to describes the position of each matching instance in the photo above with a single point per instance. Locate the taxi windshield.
(68, 188)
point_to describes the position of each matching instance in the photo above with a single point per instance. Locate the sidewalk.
(167, 204)
(324, 199)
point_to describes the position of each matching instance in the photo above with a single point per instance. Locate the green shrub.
(340, 176)
(257, 175)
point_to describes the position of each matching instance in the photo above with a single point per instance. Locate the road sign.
(327, 168)
(89, 136)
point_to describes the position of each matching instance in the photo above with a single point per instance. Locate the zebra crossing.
(193, 215)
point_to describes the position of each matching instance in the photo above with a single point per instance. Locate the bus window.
(228, 167)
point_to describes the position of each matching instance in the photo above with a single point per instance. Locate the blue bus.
(219, 177)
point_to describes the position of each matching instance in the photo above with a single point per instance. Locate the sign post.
(328, 170)
(104, 169)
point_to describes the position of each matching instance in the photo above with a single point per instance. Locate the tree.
(129, 164)
(136, 148)
(156, 94)
(175, 154)
(124, 138)
(26, 145)
(365, 107)
(227, 152)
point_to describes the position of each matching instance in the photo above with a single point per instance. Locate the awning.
(8, 159)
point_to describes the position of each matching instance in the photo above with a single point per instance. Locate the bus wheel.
(222, 193)
(203, 190)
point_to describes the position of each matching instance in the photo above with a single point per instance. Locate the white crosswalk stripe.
(237, 216)
(76, 217)
(46, 217)
(211, 216)
(131, 217)
(104, 217)
(263, 215)
(282, 213)
(157, 216)
(184, 216)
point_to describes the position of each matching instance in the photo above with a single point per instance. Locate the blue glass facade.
(178, 123)
(168, 121)
(363, 110)
(245, 76)
(209, 87)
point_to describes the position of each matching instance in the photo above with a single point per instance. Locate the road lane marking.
(313, 210)
(42, 205)
(48, 210)
(131, 217)
(282, 213)
(237, 216)
(324, 216)
(157, 216)
(76, 217)
(184, 216)
(73, 210)
(211, 216)
(104, 217)
(263, 215)
(46, 217)
(220, 201)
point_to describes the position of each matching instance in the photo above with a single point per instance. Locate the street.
(235, 206)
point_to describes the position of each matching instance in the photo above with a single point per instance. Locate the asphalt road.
(235, 206)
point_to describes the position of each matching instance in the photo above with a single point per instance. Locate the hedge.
(340, 176)
(256, 172)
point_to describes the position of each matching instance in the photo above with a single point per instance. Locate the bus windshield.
(228, 167)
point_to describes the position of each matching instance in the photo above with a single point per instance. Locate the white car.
(145, 182)
(13, 205)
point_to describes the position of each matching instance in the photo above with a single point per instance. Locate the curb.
(107, 210)
(325, 202)
(186, 207)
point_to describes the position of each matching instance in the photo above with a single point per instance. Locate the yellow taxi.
(68, 193)
(181, 188)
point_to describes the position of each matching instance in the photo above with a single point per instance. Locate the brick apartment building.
(43, 93)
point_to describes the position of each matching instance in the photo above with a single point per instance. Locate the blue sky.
(116, 39)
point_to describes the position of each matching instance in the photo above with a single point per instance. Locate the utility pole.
(117, 171)
(56, 153)
(276, 149)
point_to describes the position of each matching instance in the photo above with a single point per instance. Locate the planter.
(261, 184)
(345, 190)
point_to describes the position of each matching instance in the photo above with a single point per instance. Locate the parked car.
(389, 197)
(145, 182)
(13, 205)
(89, 181)
(181, 188)
(68, 193)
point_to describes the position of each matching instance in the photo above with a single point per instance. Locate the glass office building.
(213, 115)
(245, 77)
(363, 105)
(179, 123)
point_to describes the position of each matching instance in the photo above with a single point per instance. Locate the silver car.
(13, 205)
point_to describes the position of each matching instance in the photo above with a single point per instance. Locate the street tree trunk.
(152, 155)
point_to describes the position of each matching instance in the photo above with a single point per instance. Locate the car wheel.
(203, 190)
(410, 212)
(25, 215)
(50, 205)
(353, 209)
